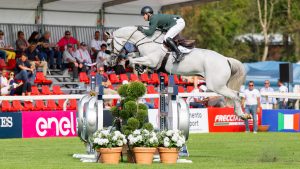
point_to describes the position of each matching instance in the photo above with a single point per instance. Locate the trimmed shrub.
(136, 90)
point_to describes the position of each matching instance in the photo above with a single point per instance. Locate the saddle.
(179, 40)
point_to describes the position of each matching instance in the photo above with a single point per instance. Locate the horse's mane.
(128, 30)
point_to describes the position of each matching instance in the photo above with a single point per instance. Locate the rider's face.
(146, 17)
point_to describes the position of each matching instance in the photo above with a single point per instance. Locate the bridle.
(135, 44)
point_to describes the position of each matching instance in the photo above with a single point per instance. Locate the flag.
(288, 121)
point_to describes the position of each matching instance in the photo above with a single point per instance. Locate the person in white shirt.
(198, 102)
(82, 55)
(267, 102)
(96, 44)
(102, 57)
(282, 103)
(70, 61)
(251, 99)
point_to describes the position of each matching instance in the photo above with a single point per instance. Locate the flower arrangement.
(171, 139)
(143, 138)
(107, 139)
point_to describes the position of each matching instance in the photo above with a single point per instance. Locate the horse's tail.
(238, 74)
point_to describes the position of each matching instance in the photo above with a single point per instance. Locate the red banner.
(224, 120)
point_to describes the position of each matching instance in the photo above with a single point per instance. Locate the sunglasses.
(101, 70)
(251, 85)
(67, 34)
(267, 83)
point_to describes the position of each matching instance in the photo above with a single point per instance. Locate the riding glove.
(140, 28)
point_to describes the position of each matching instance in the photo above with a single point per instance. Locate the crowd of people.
(39, 52)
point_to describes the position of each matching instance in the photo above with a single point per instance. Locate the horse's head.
(123, 35)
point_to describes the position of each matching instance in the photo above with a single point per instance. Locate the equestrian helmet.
(146, 10)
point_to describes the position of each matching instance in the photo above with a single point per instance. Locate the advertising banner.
(282, 120)
(198, 121)
(49, 124)
(224, 120)
(11, 125)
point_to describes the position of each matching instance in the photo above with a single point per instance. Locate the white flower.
(115, 138)
(166, 139)
(139, 138)
(117, 133)
(105, 132)
(166, 143)
(124, 141)
(120, 143)
(151, 140)
(169, 133)
(137, 132)
(174, 138)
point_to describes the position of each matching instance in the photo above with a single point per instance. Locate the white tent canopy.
(115, 13)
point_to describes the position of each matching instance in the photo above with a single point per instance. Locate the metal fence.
(81, 33)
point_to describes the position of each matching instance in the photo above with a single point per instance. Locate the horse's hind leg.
(226, 92)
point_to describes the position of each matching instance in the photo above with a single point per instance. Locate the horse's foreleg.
(141, 61)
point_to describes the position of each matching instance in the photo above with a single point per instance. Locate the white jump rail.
(79, 96)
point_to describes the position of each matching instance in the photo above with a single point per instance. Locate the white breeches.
(176, 29)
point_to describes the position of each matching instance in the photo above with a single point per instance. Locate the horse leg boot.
(173, 46)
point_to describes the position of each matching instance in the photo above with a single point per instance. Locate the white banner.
(198, 120)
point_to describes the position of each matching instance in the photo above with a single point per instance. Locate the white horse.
(223, 75)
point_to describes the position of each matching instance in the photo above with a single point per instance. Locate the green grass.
(213, 150)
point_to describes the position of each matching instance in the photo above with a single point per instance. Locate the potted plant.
(144, 145)
(170, 143)
(109, 145)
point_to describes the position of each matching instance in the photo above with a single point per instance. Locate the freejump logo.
(288, 121)
(229, 120)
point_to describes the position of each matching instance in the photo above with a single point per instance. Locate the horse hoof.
(245, 117)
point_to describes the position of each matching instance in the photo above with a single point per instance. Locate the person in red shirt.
(67, 39)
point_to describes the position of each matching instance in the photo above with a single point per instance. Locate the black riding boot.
(173, 46)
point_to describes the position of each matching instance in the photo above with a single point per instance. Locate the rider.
(172, 24)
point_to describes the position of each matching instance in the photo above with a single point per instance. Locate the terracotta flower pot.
(168, 155)
(110, 155)
(144, 155)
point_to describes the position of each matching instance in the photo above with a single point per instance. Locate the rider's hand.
(140, 28)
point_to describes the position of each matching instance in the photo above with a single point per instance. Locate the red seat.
(39, 105)
(134, 77)
(41, 79)
(11, 64)
(17, 106)
(114, 79)
(145, 78)
(46, 90)
(151, 89)
(72, 104)
(180, 89)
(84, 78)
(28, 106)
(51, 105)
(189, 88)
(6, 106)
(156, 103)
(61, 104)
(154, 79)
(57, 90)
(123, 77)
(35, 90)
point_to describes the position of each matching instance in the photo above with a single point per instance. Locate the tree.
(265, 22)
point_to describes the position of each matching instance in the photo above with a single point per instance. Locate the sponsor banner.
(282, 120)
(198, 121)
(49, 124)
(11, 125)
(224, 120)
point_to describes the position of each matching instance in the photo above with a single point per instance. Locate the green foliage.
(131, 108)
(136, 90)
(142, 116)
(148, 126)
(115, 111)
(123, 90)
(133, 123)
(124, 114)
(143, 107)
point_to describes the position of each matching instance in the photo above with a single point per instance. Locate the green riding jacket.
(161, 21)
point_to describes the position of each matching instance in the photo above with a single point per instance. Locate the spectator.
(71, 62)
(252, 100)
(21, 43)
(34, 37)
(102, 77)
(24, 70)
(102, 57)
(198, 102)
(66, 40)
(20, 88)
(3, 55)
(105, 40)
(96, 44)
(82, 55)
(5, 85)
(120, 65)
(7, 48)
(35, 60)
(267, 102)
(47, 52)
(283, 102)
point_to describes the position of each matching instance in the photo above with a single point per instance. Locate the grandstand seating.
(41, 79)
(39, 105)
(51, 105)
(189, 89)
(84, 78)
(114, 79)
(35, 90)
(123, 77)
(46, 90)
(57, 90)
(134, 77)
